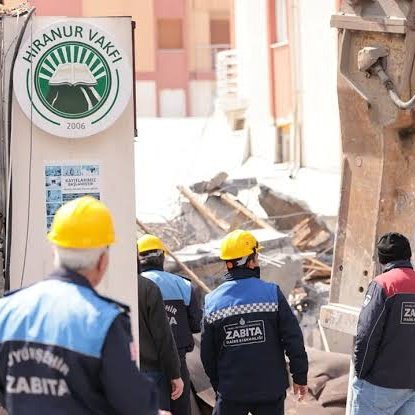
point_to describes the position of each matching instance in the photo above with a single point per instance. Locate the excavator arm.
(376, 88)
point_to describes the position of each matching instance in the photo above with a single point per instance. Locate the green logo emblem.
(73, 75)
(73, 80)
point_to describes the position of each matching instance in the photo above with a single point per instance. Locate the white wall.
(146, 97)
(251, 38)
(172, 103)
(201, 98)
(321, 144)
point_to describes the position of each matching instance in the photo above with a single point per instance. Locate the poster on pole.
(66, 181)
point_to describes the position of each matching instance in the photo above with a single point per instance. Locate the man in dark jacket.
(159, 358)
(181, 305)
(384, 349)
(248, 327)
(65, 349)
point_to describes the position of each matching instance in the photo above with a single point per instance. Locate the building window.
(220, 38)
(170, 34)
(219, 32)
(281, 21)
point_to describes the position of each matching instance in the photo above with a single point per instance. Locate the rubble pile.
(297, 254)
(206, 217)
(306, 300)
(298, 245)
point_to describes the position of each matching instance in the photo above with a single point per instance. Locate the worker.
(384, 347)
(248, 327)
(65, 349)
(159, 358)
(182, 308)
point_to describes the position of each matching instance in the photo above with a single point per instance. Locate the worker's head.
(151, 252)
(393, 246)
(81, 233)
(239, 249)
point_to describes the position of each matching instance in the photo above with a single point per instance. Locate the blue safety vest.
(64, 349)
(181, 306)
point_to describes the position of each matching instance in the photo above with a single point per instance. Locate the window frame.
(281, 22)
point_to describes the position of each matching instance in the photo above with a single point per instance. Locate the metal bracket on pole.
(372, 61)
(344, 69)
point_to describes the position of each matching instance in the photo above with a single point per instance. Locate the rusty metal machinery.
(376, 88)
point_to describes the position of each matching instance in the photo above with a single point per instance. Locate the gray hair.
(77, 259)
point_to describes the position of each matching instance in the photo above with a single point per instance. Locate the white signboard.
(67, 181)
(50, 46)
(74, 79)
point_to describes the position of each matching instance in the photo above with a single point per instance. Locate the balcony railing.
(227, 74)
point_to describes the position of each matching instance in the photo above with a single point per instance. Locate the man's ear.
(251, 264)
(103, 262)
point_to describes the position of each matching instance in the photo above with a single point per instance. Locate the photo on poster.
(53, 182)
(90, 170)
(53, 171)
(67, 181)
(49, 220)
(51, 208)
(71, 170)
(53, 196)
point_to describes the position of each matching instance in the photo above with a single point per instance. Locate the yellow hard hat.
(150, 243)
(83, 223)
(238, 244)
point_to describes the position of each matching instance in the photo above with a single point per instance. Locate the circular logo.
(75, 79)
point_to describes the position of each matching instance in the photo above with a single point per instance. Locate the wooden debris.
(309, 234)
(245, 211)
(316, 269)
(316, 275)
(183, 266)
(315, 272)
(319, 264)
(202, 209)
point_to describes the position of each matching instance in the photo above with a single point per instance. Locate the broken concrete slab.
(285, 211)
(213, 184)
(309, 233)
(280, 263)
(200, 230)
(318, 189)
(287, 274)
(235, 219)
(233, 186)
(267, 238)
